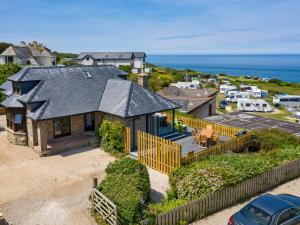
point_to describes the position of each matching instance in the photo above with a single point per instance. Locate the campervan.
(225, 88)
(253, 105)
(234, 96)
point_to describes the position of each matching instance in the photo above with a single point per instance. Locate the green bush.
(129, 166)
(125, 68)
(127, 184)
(122, 190)
(112, 137)
(218, 172)
(269, 139)
(7, 70)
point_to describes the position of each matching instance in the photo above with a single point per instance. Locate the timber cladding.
(219, 200)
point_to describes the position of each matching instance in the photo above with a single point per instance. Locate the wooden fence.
(127, 140)
(2, 111)
(217, 201)
(235, 144)
(225, 130)
(158, 153)
(106, 208)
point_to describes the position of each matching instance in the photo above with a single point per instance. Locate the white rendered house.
(134, 59)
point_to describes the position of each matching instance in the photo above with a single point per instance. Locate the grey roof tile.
(12, 102)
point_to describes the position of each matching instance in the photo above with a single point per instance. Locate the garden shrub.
(7, 70)
(112, 137)
(269, 139)
(121, 189)
(129, 166)
(127, 184)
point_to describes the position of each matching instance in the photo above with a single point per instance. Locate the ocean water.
(283, 67)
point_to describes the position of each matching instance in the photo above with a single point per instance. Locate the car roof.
(271, 204)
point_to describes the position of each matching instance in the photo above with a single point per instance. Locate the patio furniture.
(203, 140)
(207, 133)
(215, 137)
(195, 136)
(209, 127)
(180, 126)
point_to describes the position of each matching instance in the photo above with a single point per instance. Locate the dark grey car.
(269, 209)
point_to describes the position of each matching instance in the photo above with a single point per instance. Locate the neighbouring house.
(194, 84)
(198, 102)
(134, 59)
(253, 105)
(27, 55)
(55, 108)
(290, 102)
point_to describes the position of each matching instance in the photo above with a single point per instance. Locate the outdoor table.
(207, 133)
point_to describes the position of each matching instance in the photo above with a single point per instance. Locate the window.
(62, 126)
(288, 215)
(87, 58)
(248, 104)
(256, 215)
(9, 59)
(15, 122)
(265, 105)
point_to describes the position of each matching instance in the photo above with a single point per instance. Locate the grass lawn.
(283, 87)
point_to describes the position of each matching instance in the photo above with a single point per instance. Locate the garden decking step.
(174, 136)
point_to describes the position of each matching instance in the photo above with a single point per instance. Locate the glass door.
(89, 121)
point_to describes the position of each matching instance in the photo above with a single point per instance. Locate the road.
(221, 218)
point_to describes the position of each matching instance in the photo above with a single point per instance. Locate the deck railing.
(195, 123)
(158, 153)
(232, 145)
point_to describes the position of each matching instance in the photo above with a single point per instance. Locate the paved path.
(221, 218)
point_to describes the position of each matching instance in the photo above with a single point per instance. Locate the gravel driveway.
(222, 217)
(54, 190)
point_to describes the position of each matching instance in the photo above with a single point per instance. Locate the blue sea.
(283, 67)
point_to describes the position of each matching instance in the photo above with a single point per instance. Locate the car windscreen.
(256, 215)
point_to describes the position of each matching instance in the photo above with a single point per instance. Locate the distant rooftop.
(112, 55)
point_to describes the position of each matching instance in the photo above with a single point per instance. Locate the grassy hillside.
(3, 46)
(274, 86)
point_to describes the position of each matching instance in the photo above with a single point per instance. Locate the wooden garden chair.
(215, 137)
(203, 140)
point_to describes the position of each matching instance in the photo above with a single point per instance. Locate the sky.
(155, 26)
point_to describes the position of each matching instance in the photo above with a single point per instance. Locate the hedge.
(127, 184)
(129, 166)
(111, 136)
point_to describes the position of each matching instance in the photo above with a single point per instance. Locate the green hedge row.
(112, 137)
(127, 184)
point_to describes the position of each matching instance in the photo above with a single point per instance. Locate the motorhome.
(253, 105)
(290, 102)
(234, 96)
(224, 88)
(255, 91)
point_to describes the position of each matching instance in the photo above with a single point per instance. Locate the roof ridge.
(38, 86)
(45, 105)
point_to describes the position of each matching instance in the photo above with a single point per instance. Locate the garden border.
(219, 200)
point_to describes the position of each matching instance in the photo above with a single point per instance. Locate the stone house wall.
(203, 111)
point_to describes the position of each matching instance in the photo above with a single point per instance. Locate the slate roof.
(188, 99)
(64, 91)
(7, 88)
(12, 102)
(112, 55)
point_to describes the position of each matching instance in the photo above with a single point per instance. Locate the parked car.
(223, 104)
(269, 209)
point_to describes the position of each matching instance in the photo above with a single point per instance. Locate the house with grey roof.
(134, 59)
(51, 107)
(197, 102)
(27, 55)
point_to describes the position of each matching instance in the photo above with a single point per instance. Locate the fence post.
(95, 183)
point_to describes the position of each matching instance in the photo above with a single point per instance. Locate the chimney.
(143, 79)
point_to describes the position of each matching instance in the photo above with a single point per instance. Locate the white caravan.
(194, 84)
(253, 105)
(224, 88)
(234, 96)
